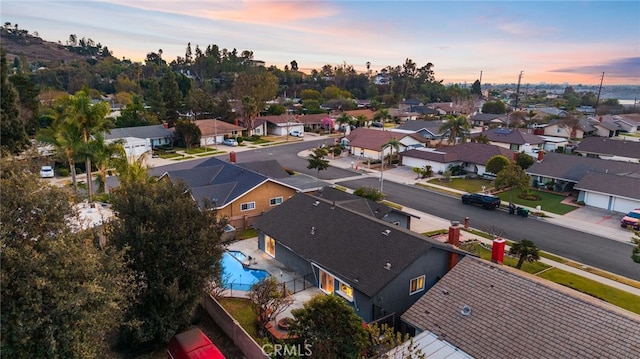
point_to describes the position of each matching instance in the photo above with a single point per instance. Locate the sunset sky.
(571, 42)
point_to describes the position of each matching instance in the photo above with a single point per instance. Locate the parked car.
(296, 133)
(192, 344)
(377, 124)
(631, 220)
(487, 201)
(230, 142)
(46, 172)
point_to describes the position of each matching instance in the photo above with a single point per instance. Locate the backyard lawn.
(549, 202)
(471, 185)
(240, 310)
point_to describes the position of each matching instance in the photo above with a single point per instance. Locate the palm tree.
(343, 119)
(91, 118)
(525, 250)
(65, 136)
(481, 138)
(249, 111)
(382, 115)
(104, 156)
(393, 143)
(361, 120)
(458, 126)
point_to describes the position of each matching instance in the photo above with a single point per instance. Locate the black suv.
(485, 200)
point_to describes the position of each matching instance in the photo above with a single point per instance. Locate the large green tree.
(495, 107)
(171, 97)
(497, 163)
(524, 250)
(524, 160)
(317, 159)
(331, 326)
(62, 294)
(512, 176)
(187, 134)
(173, 247)
(13, 134)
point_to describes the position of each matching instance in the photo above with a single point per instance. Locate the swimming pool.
(235, 275)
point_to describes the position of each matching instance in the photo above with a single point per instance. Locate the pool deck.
(261, 260)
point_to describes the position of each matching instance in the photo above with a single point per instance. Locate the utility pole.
(518, 90)
(595, 110)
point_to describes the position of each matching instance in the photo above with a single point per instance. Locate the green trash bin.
(525, 212)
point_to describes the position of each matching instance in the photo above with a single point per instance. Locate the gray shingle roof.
(154, 131)
(418, 125)
(471, 152)
(623, 186)
(573, 168)
(517, 315)
(609, 147)
(218, 181)
(350, 245)
(512, 136)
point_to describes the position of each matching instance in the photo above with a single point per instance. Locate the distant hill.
(34, 49)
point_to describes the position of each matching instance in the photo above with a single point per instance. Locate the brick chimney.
(454, 240)
(497, 250)
(515, 156)
(540, 155)
(165, 124)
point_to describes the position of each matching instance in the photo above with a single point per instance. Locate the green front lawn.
(549, 202)
(611, 295)
(471, 185)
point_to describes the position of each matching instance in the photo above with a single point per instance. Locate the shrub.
(78, 171)
(239, 140)
(254, 138)
(63, 172)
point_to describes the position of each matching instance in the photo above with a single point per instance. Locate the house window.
(275, 201)
(247, 206)
(270, 246)
(326, 281)
(416, 285)
(345, 291)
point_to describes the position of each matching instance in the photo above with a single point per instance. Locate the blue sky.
(570, 42)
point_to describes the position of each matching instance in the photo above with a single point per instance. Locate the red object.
(497, 251)
(540, 155)
(232, 157)
(454, 235)
(192, 344)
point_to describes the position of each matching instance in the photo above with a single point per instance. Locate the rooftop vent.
(387, 266)
(455, 223)
(316, 203)
(386, 232)
(466, 311)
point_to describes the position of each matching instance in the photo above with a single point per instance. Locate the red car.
(193, 344)
(631, 220)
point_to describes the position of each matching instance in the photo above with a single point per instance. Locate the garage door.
(596, 200)
(624, 205)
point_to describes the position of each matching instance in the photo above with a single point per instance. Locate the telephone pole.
(595, 110)
(518, 90)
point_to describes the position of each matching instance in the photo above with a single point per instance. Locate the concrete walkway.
(590, 222)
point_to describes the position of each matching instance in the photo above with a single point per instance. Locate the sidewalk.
(427, 222)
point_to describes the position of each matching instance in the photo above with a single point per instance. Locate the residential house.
(561, 172)
(318, 121)
(487, 120)
(627, 123)
(400, 115)
(214, 131)
(610, 149)
(493, 311)
(596, 127)
(472, 157)
(377, 267)
(281, 125)
(366, 206)
(407, 105)
(610, 191)
(367, 113)
(513, 139)
(557, 128)
(382, 78)
(237, 193)
(372, 144)
(428, 346)
(141, 139)
(452, 108)
(425, 111)
(427, 129)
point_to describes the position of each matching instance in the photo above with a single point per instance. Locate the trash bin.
(512, 208)
(525, 212)
(519, 211)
